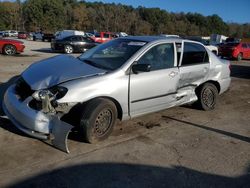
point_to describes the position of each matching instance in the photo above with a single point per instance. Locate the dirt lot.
(178, 147)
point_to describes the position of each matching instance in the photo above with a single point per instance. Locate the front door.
(154, 90)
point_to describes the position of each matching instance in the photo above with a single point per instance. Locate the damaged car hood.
(56, 70)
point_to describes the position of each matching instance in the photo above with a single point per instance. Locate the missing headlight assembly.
(48, 98)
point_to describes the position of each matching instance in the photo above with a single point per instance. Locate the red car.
(11, 47)
(235, 50)
(103, 37)
(22, 35)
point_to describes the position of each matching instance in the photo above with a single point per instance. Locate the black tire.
(68, 49)
(34, 38)
(207, 96)
(9, 49)
(239, 57)
(98, 120)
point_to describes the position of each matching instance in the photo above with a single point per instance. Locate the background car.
(75, 43)
(235, 50)
(22, 35)
(10, 33)
(11, 47)
(43, 36)
(90, 35)
(103, 37)
(1, 34)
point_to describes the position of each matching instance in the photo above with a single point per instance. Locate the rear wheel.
(98, 120)
(207, 96)
(68, 49)
(9, 49)
(239, 57)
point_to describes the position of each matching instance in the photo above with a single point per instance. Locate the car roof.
(154, 38)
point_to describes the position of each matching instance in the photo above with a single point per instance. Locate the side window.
(248, 45)
(80, 38)
(194, 54)
(73, 38)
(244, 45)
(106, 35)
(159, 57)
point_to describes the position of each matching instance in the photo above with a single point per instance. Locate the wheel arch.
(117, 104)
(215, 83)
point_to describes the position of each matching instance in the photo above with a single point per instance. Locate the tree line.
(54, 15)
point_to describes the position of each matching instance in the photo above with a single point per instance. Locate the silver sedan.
(120, 79)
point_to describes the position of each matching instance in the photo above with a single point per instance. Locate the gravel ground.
(178, 147)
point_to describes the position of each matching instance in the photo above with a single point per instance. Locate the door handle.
(173, 74)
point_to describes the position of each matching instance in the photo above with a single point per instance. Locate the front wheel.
(98, 120)
(68, 49)
(207, 96)
(9, 49)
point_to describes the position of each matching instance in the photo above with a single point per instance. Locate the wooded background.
(54, 15)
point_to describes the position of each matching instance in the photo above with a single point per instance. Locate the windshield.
(113, 54)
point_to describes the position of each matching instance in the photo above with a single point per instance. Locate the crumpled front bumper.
(35, 123)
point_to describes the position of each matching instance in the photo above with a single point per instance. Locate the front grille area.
(23, 90)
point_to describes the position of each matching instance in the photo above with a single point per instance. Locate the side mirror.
(141, 68)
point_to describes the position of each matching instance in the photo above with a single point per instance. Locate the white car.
(10, 33)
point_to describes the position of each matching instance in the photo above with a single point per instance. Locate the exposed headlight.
(42, 94)
(53, 93)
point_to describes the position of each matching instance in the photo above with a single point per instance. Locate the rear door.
(193, 66)
(154, 90)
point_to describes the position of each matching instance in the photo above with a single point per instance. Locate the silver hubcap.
(208, 97)
(9, 50)
(103, 122)
(68, 49)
